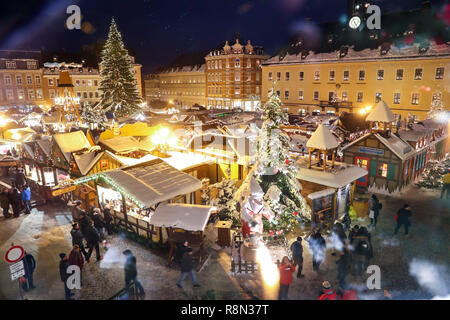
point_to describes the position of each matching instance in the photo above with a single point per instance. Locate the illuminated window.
(418, 74)
(286, 95)
(399, 75)
(362, 75)
(278, 76)
(300, 95)
(344, 96)
(396, 98)
(382, 170)
(360, 97)
(439, 73)
(270, 76)
(301, 75)
(346, 75)
(415, 98)
(19, 79)
(316, 75)
(332, 74)
(380, 74)
(316, 95)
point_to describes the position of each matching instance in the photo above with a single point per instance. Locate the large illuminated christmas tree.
(273, 179)
(119, 87)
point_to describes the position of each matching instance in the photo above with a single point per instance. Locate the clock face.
(354, 22)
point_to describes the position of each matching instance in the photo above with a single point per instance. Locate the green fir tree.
(118, 84)
(277, 173)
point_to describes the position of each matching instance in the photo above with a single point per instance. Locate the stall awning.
(188, 217)
(152, 182)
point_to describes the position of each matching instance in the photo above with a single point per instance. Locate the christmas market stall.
(40, 174)
(133, 193)
(393, 160)
(184, 222)
(327, 184)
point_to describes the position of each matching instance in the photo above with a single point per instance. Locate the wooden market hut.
(391, 161)
(327, 185)
(184, 222)
(134, 192)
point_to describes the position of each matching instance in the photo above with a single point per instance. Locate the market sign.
(379, 152)
(59, 192)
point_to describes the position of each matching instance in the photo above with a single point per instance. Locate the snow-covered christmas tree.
(433, 173)
(275, 173)
(93, 116)
(437, 106)
(225, 202)
(119, 87)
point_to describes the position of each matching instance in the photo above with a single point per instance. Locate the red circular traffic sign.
(14, 254)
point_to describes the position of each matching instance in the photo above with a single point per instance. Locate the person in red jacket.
(327, 293)
(286, 270)
(347, 293)
(76, 258)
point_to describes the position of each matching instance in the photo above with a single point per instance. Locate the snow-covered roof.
(322, 139)
(84, 161)
(394, 53)
(45, 145)
(121, 144)
(71, 142)
(341, 175)
(321, 193)
(381, 112)
(153, 182)
(398, 146)
(188, 217)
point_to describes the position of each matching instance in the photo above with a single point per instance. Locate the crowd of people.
(17, 198)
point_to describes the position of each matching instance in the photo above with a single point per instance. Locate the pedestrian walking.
(63, 265)
(99, 223)
(26, 198)
(187, 268)
(446, 185)
(286, 271)
(93, 240)
(297, 256)
(180, 251)
(131, 273)
(76, 258)
(4, 203)
(327, 293)
(403, 218)
(108, 219)
(16, 201)
(339, 237)
(29, 264)
(359, 257)
(374, 210)
(76, 211)
(317, 245)
(77, 238)
(84, 222)
(343, 264)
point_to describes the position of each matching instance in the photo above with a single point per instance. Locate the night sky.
(159, 30)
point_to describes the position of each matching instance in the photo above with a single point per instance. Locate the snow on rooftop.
(322, 139)
(188, 217)
(397, 145)
(381, 112)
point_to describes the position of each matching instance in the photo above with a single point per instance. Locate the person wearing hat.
(93, 241)
(130, 269)
(99, 223)
(297, 256)
(187, 267)
(63, 265)
(327, 293)
(77, 238)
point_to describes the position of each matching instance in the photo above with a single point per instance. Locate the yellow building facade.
(407, 79)
(184, 86)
